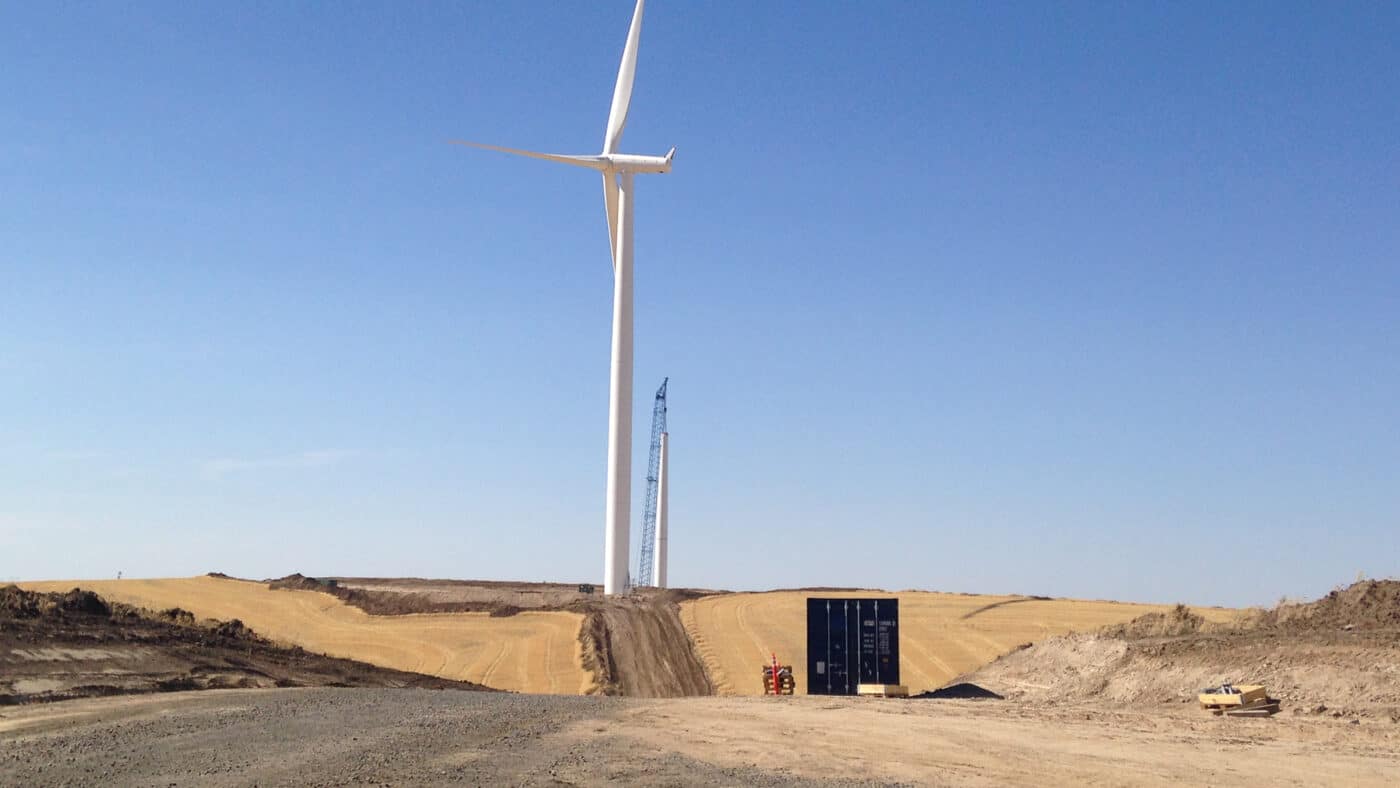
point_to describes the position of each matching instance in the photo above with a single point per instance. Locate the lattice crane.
(645, 563)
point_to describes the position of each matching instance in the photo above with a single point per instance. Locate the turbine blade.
(591, 162)
(610, 202)
(622, 92)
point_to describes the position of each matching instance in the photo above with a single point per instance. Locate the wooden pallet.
(882, 690)
(1267, 707)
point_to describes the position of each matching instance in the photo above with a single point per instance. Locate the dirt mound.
(961, 691)
(381, 602)
(15, 602)
(1180, 620)
(55, 646)
(296, 581)
(177, 615)
(1340, 651)
(1367, 605)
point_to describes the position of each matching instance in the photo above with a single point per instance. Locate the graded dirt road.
(941, 637)
(355, 736)
(533, 651)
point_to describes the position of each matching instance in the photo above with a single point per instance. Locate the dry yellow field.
(527, 652)
(941, 635)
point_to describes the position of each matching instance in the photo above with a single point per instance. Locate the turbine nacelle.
(608, 163)
(626, 162)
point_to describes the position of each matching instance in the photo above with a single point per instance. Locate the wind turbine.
(618, 198)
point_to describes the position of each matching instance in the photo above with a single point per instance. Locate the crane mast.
(648, 547)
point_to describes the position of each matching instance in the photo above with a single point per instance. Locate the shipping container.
(851, 642)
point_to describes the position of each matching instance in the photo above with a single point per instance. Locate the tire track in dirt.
(919, 645)
(549, 661)
(705, 650)
(489, 674)
(741, 610)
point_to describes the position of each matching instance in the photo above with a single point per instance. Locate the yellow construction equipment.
(1238, 700)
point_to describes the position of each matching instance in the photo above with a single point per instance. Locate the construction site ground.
(1337, 657)
(1108, 705)
(76, 645)
(550, 638)
(532, 651)
(284, 737)
(941, 635)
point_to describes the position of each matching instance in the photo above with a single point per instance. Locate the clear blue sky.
(1087, 299)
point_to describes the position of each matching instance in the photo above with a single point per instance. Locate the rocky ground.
(416, 737)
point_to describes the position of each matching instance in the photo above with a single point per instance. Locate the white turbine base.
(658, 571)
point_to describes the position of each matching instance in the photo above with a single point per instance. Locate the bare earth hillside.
(941, 635)
(76, 644)
(538, 637)
(534, 651)
(633, 645)
(1338, 656)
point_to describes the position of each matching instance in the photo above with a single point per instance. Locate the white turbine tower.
(618, 196)
(658, 573)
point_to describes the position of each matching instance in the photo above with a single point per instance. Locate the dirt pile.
(396, 602)
(55, 646)
(1180, 620)
(16, 603)
(1366, 605)
(1339, 655)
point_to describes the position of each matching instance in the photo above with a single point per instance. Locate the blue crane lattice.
(648, 547)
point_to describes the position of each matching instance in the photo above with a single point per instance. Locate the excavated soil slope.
(528, 652)
(633, 645)
(1339, 656)
(389, 595)
(73, 645)
(941, 635)
(638, 647)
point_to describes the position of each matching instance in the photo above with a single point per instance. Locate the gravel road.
(344, 736)
(341, 736)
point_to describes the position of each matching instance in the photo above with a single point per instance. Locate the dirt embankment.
(636, 646)
(633, 645)
(1338, 656)
(396, 600)
(58, 646)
